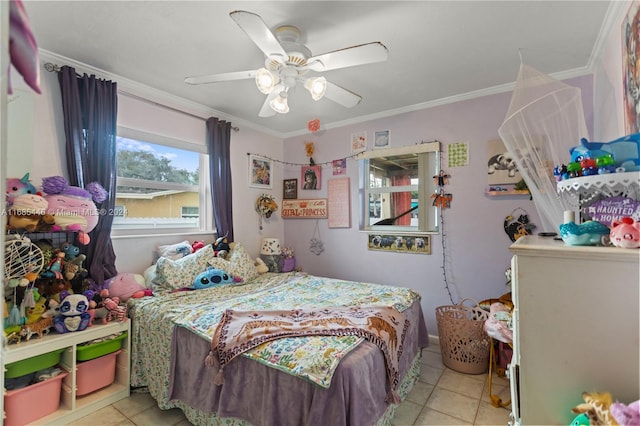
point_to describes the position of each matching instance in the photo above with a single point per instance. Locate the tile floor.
(441, 397)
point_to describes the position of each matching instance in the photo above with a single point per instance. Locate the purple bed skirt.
(262, 395)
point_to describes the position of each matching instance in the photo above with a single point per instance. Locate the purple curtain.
(90, 107)
(218, 145)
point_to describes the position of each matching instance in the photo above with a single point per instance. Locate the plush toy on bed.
(261, 267)
(213, 277)
(73, 312)
(127, 285)
(221, 247)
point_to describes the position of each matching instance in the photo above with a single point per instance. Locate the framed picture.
(260, 172)
(381, 139)
(630, 71)
(311, 177)
(400, 243)
(290, 189)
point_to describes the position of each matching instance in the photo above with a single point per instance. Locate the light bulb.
(316, 86)
(279, 104)
(265, 80)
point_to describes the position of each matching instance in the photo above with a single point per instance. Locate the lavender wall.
(475, 244)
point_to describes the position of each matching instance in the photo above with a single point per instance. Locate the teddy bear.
(73, 312)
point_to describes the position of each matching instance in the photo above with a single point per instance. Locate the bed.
(294, 380)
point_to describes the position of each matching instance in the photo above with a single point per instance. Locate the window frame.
(205, 220)
(428, 218)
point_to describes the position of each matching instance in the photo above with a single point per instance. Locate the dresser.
(576, 327)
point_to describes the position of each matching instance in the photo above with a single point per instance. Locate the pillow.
(149, 275)
(175, 251)
(238, 264)
(175, 274)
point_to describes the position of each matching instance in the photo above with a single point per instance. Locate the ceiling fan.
(288, 63)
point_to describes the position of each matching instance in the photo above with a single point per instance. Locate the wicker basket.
(463, 343)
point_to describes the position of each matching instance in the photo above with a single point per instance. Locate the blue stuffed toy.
(213, 277)
(73, 312)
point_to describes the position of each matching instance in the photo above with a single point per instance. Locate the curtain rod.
(56, 68)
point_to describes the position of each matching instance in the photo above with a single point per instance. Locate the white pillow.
(175, 251)
(239, 263)
(175, 274)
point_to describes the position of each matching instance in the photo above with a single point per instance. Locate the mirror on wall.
(396, 189)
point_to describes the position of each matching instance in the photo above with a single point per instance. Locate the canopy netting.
(544, 120)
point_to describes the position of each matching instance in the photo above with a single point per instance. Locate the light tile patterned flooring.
(441, 397)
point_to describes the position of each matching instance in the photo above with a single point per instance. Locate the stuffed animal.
(26, 212)
(197, 245)
(221, 247)
(73, 207)
(596, 406)
(73, 261)
(73, 312)
(126, 285)
(16, 187)
(626, 414)
(213, 277)
(261, 267)
(47, 223)
(625, 233)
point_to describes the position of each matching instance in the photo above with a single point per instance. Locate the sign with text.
(315, 208)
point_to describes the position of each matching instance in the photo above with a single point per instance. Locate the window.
(190, 211)
(160, 183)
(398, 185)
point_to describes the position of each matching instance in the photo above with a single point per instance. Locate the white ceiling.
(437, 49)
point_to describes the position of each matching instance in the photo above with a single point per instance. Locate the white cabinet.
(576, 327)
(73, 406)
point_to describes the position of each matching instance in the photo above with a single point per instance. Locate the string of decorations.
(326, 163)
(443, 201)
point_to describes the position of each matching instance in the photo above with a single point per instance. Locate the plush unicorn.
(16, 187)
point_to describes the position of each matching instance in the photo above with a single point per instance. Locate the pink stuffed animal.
(126, 285)
(627, 415)
(625, 233)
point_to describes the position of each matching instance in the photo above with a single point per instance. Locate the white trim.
(404, 150)
(155, 138)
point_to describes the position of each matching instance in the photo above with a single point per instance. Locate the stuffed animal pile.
(598, 408)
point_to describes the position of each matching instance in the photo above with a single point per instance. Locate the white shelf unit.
(576, 327)
(583, 191)
(72, 406)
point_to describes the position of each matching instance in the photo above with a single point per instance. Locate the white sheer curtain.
(545, 119)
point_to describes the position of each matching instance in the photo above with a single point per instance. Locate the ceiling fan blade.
(342, 96)
(216, 78)
(349, 56)
(259, 33)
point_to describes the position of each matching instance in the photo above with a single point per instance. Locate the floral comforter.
(313, 358)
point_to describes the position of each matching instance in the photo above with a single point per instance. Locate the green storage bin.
(33, 364)
(95, 350)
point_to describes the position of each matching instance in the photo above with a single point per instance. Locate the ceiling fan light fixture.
(279, 103)
(317, 86)
(266, 80)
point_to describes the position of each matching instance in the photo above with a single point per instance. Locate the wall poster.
(339, 209)
(315, 208)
